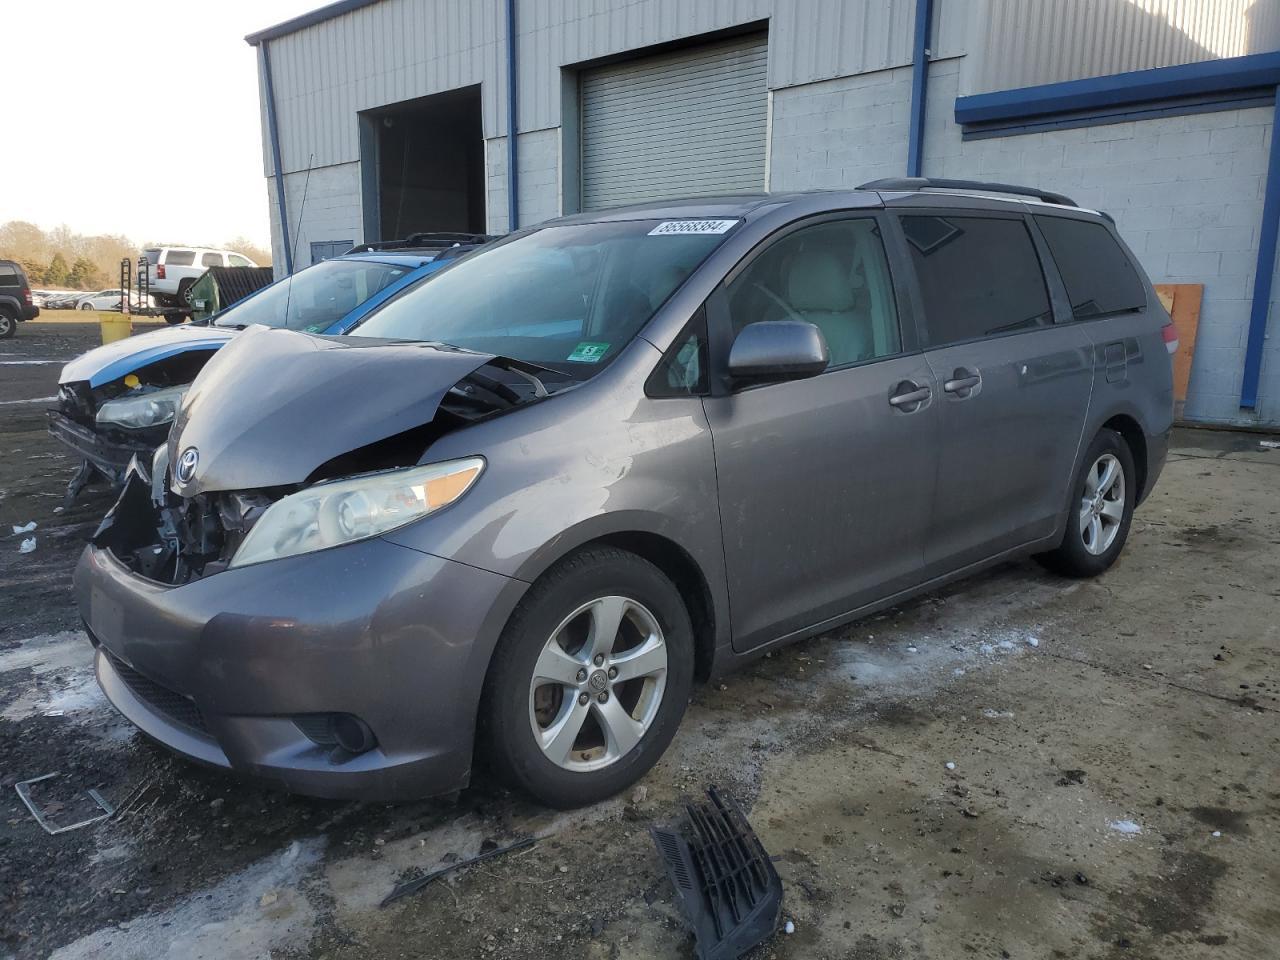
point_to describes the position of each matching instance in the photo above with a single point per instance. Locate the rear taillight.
(159, 271)
(26, 296)
(1170, 334)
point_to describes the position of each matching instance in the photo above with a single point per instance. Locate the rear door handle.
(962, 383)
(908, 396)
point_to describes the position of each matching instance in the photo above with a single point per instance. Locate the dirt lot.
(1115, 790)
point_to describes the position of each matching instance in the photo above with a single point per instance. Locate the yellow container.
(115, 326)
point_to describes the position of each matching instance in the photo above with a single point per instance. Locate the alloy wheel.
(6, 325)
(598, 684)
(1102, 504)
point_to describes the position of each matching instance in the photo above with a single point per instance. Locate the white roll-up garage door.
(687, 123)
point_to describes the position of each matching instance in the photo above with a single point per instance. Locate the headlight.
(341, 511)
(143, 410)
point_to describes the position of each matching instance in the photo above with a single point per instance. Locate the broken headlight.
(144, 409)
(340, 511)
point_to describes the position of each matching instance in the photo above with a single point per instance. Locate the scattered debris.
(27, 545)
(24, 529)
(950, 765)
(1071, 778)
(23, 788)
(1127, 827)
(725, 883)
(416, 884)
(789, 928)
(1033, 641)
(1217, 833)
(912, 649)
(1269, 444)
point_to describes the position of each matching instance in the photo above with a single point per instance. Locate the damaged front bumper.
(233, 668)
(110, 457)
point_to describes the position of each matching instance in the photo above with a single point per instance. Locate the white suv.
(172, 270)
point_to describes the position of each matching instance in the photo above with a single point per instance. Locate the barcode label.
(691, 226)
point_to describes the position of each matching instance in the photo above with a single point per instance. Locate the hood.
(276, 404)
(112, 361)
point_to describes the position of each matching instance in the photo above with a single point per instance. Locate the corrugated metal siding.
(398, 50)
(686, 123)
(1029, 42)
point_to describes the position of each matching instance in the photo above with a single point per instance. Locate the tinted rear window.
(180, 258)
(979, 277)
(9, 276)
(1099, 278)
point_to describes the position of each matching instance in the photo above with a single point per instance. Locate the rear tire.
(8, 323)
(589, 680)
(1103, 496)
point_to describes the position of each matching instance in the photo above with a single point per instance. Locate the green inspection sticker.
(586, 352)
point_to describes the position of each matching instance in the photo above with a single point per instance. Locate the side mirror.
(777, 350)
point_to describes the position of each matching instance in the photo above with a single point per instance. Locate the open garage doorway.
(423, 166)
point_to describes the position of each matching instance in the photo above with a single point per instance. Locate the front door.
(825, 484)
(1013, 387)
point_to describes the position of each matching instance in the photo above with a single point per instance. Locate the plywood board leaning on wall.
(1182, 300)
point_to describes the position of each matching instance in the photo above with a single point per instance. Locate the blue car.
(118, 400)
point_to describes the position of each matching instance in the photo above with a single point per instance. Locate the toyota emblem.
(187, 464)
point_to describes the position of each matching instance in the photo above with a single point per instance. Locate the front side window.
(180, 258)
(238, 261)
(979, 276)
(315, 298)
(1099, 278)
(833, 275)
(567, 297)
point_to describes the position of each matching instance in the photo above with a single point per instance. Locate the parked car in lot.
(111, 300)
(16, 301)
(172, 270)
(117, 400)
(513, 510)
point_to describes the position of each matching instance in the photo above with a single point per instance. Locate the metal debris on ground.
(725, 883)
(416, 884)
(23, 788)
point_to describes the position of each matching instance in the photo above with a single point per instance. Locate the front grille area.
(175, 706)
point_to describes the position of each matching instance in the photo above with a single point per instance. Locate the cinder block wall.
(332, 211)
(539, 166)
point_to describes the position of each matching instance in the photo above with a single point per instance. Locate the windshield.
(568, 297)
(315, 298)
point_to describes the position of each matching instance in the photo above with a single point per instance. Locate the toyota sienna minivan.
(524, 506)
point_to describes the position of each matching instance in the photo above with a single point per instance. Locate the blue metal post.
(919, 86)
(1266, 268)
(274, 131)
(513, 179)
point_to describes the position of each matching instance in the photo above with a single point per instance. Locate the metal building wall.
(398, 50)
(1021, 43)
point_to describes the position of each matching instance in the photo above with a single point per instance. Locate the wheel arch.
(1133, 435)
(702, 590)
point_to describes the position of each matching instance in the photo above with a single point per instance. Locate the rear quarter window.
(180, 258)
(1099, 278)
(9, 276)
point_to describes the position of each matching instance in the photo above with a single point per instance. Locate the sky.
(174, 80)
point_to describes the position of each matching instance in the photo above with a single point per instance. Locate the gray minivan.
(519, 510)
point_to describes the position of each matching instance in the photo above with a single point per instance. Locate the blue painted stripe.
(278, 163)
(1265, 270)
(1117, 90)
(513, 165)
(327, 12)
(919, 87)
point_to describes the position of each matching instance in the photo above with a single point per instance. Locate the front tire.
(86, 306)
(589, 680)
(1104, 494)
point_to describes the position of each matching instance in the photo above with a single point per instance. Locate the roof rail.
(419, 241)
(921, 183)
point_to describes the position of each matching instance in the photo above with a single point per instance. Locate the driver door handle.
(963, 383)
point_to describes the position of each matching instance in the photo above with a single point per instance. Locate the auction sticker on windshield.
(691, 226)
(587, 352)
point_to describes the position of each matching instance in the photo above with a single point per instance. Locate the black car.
(15, 298)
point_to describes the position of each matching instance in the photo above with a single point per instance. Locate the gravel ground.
(1114, 791)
